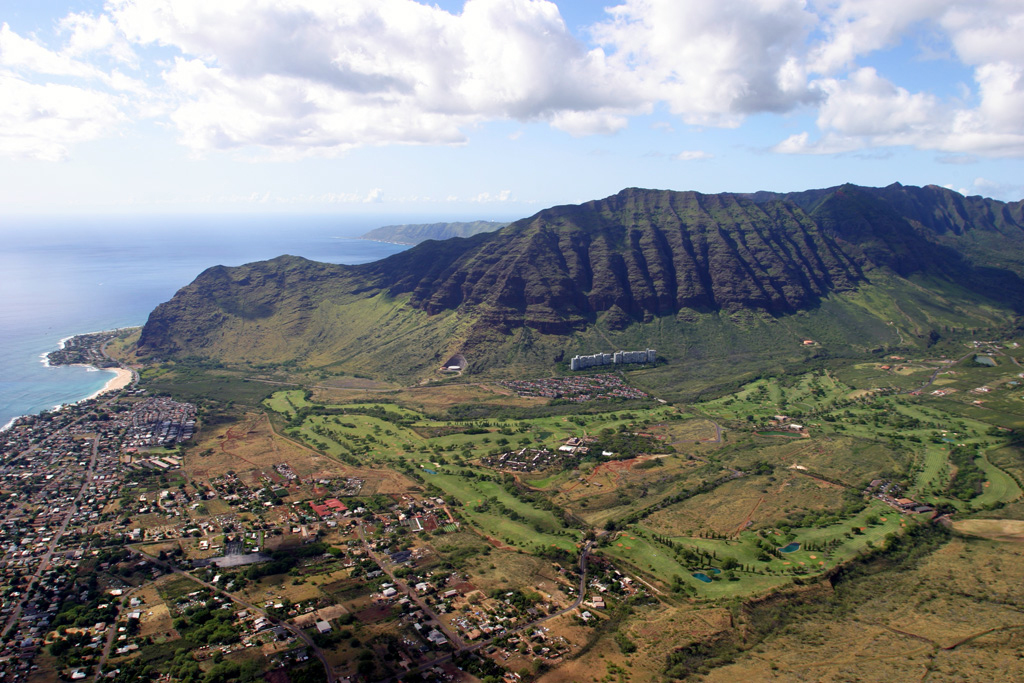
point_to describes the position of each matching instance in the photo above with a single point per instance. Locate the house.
(335, 504)
(323, 626)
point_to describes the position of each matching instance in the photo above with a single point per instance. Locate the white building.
(618, 358)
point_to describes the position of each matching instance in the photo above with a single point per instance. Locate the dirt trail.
(746, 521)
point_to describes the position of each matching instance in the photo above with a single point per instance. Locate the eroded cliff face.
(634, 257)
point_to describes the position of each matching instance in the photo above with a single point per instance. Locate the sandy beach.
(119, 381)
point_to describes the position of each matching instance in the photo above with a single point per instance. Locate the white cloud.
(267, 79)
(27, 55)
(97, 34)
(990, 188)
(317, 78)
(866, 104)
(693, 155)
(585, 123)
(830, 143)
(855, 28)
(488, 198)
(44, 121)
(864, 109)
(716, 62)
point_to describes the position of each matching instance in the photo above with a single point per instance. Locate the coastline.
(399, 244)
(121, 379)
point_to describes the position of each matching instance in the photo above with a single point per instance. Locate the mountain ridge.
(615, 269)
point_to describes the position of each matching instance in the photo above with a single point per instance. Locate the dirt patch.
(276, 676)
(374, 614)
(1006, 530)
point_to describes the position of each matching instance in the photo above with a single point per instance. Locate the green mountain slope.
(722, 285)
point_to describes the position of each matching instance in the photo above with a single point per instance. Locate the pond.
(701, 576)
(791, 548)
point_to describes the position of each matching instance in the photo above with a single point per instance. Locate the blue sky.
(497, 108)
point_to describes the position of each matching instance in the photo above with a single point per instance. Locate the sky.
(497, 108)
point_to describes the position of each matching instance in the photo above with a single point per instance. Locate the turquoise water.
(791, 548)
(701, 576)
(65, 276)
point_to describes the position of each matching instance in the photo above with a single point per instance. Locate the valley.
(706, 517)
(405, 470)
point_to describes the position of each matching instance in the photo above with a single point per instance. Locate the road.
(411, 594)
(525, 627)
(44, 561)
(111, 635)
(295, 630)
(931, 380)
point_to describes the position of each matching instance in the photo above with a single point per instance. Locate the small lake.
(791, 548)
(701, 576)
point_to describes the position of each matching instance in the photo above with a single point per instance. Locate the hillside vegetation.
(720, 285)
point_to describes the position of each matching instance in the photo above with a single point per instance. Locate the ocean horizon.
(64, 276)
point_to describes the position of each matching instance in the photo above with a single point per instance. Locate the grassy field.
(860, 429)
(904, 624)
(287, 402)
(1007, 530)
(479, 504)
(862, 423)
(750, 502)
(934, 473)
(999, 487)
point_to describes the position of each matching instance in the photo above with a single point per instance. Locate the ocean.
(65, 276)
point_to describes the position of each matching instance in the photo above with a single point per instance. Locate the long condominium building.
(617, 358)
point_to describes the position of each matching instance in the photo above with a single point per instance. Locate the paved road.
(409, 592)
(931, 380)
(295, 630)
(111, 634)
(44, 561)
(525, 627)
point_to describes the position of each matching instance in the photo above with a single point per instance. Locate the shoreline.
(122, 378)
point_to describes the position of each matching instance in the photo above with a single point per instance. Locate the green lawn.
(999, 486)
(536, 528)
(287, 402)
(934, 474)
